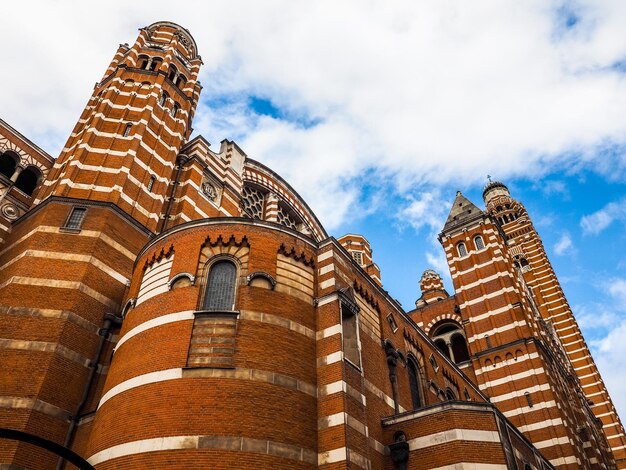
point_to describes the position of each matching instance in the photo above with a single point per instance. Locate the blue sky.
(378, 112)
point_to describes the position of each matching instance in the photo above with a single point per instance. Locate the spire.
(463, 210)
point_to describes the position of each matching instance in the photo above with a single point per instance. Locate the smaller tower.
(432, 288)
(359, 248)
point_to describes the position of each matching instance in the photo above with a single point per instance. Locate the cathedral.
(167, 304)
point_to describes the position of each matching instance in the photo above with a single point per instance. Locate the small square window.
(76, 218)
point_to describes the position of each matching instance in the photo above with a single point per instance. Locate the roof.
(463, 210)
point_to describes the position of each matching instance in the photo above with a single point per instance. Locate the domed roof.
(492, 185)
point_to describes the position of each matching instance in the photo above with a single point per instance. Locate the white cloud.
(417, 93)
(617, 289)
(564, 245)
(609, 353)
(437, 261)
(596, 222)
(425, 209)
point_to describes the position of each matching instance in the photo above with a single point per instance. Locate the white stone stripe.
(491, 295)
(472, 466)
(140, 380)
(328, 283)
(540, 425)
(519, 393)
(59, 284)
(70, 257)
(552, 442)
(477, 266)
(332, 456)
(326, 269)
(331, 358)
(155, 322)
(330, 331)
(451, 435)
(341, 386)
(528, 409)
(499, 329)
(487, 279)
(324, 256)
(108, 189)
(510, 378)
(228, 443)
(83, 233)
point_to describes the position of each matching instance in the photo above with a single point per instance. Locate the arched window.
(142, 62)
(478, 241)
(443, 347)
(163, 99)
(27, 180)
(449, 338)
(461, 249)
(8, 163)
(414, 384)
(175, 109)
(172, 72)
(450, 394)
(156, 63)
(220, 289)
(180, 81)
(127, 129)
(459, 348)
(524, 262)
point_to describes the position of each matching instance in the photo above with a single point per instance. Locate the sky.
(377, 112)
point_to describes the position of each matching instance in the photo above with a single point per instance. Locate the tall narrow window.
(529, 399)
(151, 183)
(127, 129)
(350, 337)
(461, 249)
(163, 99)
(478, 241)
(414, 384)
(156, 63)
(175, 109)
(220, 289)
(76, 218)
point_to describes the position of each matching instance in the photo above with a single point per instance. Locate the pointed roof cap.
(463, 210)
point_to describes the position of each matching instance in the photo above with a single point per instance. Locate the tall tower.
(516, 359)
(67, 262)
(124, 147)
(531, 259)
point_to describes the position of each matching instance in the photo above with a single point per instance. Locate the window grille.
(478, 241)
(127, 129)
(357, 256)
(461, 249)
(253, 202)
(151, 183)
(220, 290)
(285, 218)
(76, 218)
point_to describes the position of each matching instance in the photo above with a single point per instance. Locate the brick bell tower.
(515, 356)
(530, 258)
(67, 262)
